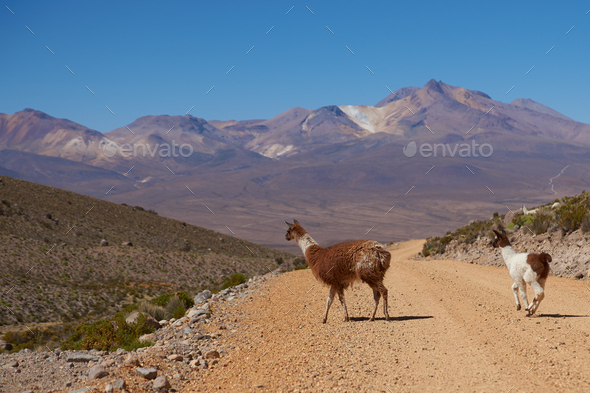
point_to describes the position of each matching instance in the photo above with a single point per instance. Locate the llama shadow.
(562, 316)
(393, 319)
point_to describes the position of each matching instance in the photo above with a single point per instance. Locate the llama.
(524, 268)
(342, 264)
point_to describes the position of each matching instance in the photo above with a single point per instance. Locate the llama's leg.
(378, 291)
(341, 297)
(329, 301)
(376, 296)
(385, 306)
(522, 290)
(515, 290)
(539, 295)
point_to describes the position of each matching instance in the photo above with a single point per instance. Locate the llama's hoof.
(325, 320)
(372, 319)
(518, 307)
(387, 317)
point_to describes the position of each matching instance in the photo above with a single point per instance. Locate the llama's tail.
(384, 257)
(545, 258)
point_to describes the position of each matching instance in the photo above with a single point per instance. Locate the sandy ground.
(454, 328)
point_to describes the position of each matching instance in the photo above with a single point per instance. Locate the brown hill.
(439, 109)
(55, 268)
(36, 132)
(397, 95)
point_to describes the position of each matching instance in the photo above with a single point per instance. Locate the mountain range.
(341, 169)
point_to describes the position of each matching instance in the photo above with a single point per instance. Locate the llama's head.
(501, 239)
(295, 231)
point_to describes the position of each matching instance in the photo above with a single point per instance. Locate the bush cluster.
(572, 214)
(233, 280)
(467, 234)
(36, 337)
(109, 334)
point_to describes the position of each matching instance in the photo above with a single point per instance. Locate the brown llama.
(342, 264)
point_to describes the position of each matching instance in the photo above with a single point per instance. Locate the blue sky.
(151, 58)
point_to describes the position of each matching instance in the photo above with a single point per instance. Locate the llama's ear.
(296, 222)
(503, 231)
(290, 225)
(496, 232)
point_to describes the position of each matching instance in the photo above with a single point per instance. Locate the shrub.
(522, 220)
(163, 300)
(233, 280)
(573, 211)
(179, 312)
(542, 221)
(157, 312)
(300, 267)
(35, 337)
(108, 335)
(175, 307)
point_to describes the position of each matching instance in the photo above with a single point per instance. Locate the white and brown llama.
(524, 268)
(342, 264)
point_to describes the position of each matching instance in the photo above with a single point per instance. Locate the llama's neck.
(305, 242)
(507, 253)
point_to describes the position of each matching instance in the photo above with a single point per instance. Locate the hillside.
(55, 268)
(560, 228)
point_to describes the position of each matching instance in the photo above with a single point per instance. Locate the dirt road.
(455, 328)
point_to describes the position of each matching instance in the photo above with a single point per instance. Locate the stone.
(175, 357)
(83, 390)
(104, 243)
(148, 337)
(96, 372)
(194, 363)
(187, 331)
(147, 373)
(161, 384)
(11, 364)
(108, 388)
(5, 345)
(131, 360)
(127, 244)
(580, 275)
(119, 384)
(151, 321)
(108, 363)
(212, 354)
(132, 317)
(80, 357)
(202, 296)
(196, 313)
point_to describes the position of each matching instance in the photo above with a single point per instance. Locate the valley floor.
(455, 328)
